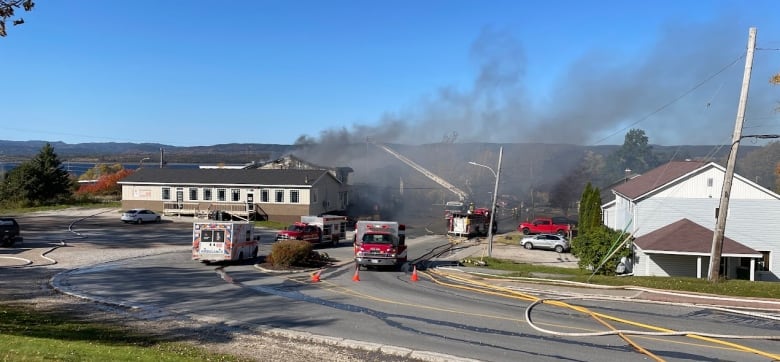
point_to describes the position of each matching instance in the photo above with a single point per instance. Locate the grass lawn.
(739, 288)
(29, 335)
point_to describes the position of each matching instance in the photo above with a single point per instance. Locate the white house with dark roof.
(671, 212)
(274, 194)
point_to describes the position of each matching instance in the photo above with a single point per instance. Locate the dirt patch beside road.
(507, 246)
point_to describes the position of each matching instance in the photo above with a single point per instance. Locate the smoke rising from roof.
(668, 89)
(681, 90)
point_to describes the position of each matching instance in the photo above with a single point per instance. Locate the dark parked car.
(9, 231)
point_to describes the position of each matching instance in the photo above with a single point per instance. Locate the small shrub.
(597, 243)
(286, 253)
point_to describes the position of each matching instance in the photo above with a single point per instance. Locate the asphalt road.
(386, 307)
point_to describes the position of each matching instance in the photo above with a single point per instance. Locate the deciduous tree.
(592, 246)
(636, 155)
(101, 169)
(8, 10)
(106, 184)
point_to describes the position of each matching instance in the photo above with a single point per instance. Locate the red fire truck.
(317, 229)
(470, 223)
(380, 243)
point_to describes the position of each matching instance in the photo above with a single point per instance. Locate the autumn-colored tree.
(101, 169)
(106, 185)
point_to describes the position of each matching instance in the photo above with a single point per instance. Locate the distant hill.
(248, 152)
(133, 152)
(530, 172)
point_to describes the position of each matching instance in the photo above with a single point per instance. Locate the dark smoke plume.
(683, 89)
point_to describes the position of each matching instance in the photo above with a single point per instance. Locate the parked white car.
(546, 241)
(140, 216)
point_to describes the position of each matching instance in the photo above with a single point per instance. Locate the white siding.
(698, 186)
(327, 196)
(749, 222)
(752, 216)
(640, 266)
(623, 217)
(608, 215)
(145, 192)
(655, 213)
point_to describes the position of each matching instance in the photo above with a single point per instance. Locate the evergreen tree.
(590, 209)
(594, 240)
(39, 181)
(594, 213)
(584, 212)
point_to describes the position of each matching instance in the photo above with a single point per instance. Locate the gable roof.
(291, 162)
(656, 178)
(226, 177)
(687, 237)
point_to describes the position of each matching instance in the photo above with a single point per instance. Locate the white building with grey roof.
(262, 194)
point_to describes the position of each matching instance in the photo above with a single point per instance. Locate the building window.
(207, 194)
(235, 195)
(193, 194)
(265, 196)
(279, 195)
(294, 196)
(709, 182)
(166, 193)
(221, 195)
(313, 196)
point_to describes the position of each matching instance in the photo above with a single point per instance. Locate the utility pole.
(728, 178)
(493, 205)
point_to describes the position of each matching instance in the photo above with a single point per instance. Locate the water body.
(79, 168)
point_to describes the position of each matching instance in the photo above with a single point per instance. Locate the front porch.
(199, 210)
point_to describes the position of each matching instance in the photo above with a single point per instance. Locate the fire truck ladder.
(462, 195)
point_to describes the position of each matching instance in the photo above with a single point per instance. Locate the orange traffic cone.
(356, 277)
(414, 274)
(316, 276)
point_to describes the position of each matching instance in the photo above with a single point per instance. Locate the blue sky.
(191, 73)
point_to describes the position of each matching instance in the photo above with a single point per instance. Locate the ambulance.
(214, 241)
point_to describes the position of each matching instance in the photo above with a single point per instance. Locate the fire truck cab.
(380, 243)
(301, 231)
(317, 229)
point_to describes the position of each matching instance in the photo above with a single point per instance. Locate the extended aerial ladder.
(462, 195)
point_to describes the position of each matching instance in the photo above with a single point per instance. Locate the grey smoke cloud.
(663, 90)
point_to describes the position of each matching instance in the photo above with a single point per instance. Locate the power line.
(675, 100)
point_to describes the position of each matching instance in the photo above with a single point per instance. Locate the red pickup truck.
(546, 225)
